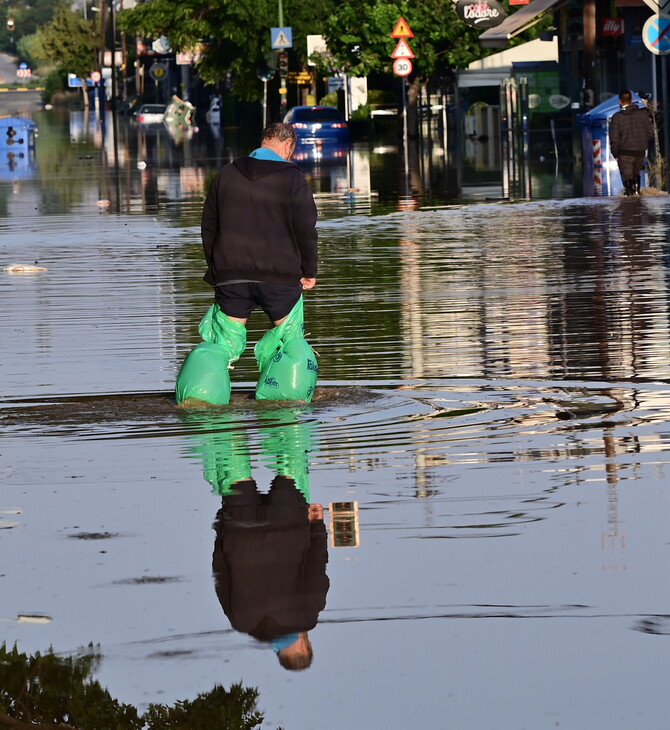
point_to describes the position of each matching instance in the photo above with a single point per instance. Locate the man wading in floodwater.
(631, 130)
(259, 231)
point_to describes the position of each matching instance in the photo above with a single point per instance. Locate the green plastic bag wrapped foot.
(288, 365)
(204, 374)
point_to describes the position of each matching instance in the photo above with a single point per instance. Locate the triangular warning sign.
(402, 30)
(402, 50)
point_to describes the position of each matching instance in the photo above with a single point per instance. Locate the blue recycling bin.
(601, 172)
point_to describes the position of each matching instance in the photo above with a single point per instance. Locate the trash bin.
(601, 173)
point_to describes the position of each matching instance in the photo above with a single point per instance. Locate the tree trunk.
(412, 106)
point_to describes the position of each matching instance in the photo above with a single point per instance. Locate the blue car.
(316, 124)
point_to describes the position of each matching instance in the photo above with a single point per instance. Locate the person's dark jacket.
(269, 561)
(631, 130)
(258, 224)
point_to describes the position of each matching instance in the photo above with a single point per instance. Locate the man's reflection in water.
(269, 566)
(270, 553)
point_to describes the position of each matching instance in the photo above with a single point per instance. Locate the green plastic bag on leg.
(288, 365)
(204, 374)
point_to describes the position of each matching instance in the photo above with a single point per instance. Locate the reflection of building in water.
(192, 180)
(531, 294)
(613, 539)
(471, 318)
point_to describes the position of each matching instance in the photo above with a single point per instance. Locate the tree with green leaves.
(45, 690)
(68, 42)
(234, 36)
(358, 36)
(28, 15)
(236, 39)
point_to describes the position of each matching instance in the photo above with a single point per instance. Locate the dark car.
(318, 124)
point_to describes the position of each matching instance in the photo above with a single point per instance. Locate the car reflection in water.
(326, 165)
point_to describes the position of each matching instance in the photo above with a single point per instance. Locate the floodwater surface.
(488, 442)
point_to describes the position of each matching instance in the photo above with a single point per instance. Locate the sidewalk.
(7, 69)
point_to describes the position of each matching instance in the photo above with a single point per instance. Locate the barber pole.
(597, 167)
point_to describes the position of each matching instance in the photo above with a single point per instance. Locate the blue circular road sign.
(656, 34)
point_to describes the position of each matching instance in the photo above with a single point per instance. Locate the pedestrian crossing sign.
(402, 30)
(281, 37)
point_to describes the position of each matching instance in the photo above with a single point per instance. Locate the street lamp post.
(11, 28)
(265, 76)
(113, 64)
(283, 66)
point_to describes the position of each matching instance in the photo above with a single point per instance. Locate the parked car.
(213, 115)
(318, 124)
(150, 113)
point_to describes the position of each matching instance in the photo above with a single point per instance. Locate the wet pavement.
(487, 441)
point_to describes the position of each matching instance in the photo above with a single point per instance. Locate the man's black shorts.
(240, 300)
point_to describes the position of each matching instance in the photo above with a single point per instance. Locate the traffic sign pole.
(282, 39)
(666, 125)
(402, 66)
(656, 38)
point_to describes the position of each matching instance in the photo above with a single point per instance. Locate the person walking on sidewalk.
(631, 130)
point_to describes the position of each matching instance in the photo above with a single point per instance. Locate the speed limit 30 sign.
(402, 67)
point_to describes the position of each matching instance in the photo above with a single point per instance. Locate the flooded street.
(489, 440)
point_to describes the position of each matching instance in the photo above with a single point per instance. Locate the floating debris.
(30, 618)
(148, 579)
(24, 269)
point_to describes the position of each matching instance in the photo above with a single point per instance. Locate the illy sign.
(480, 13)
(612, 26)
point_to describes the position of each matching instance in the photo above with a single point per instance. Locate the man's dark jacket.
(269, 561)
(258, 224)
(631, 130)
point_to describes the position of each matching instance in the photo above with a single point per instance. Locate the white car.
(150, 113)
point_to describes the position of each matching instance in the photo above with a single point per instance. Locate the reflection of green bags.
(287, 363)
(286, 445)
(220, 439)
(224, 452)
(204, 374)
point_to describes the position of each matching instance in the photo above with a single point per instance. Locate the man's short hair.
(625, 97)
(278, 131)
(297, 662)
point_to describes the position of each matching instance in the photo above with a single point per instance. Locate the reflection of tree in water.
(50, 691)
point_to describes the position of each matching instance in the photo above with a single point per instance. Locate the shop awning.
(516, 23)
(491, 70)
